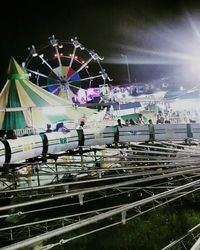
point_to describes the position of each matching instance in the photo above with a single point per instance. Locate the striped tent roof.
(24, 104)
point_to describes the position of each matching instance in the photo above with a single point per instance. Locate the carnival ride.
(13, 151)
(89, 166)
(134, 169)
(24, 105)
(143, 177)
(65, 66)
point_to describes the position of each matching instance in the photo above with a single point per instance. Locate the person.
(80, 127)
(160, 118)
(48, 130)
(81, 135)
(132, 122)
(108, 110)
(127, 123)
(61, 128)
(140, 120)
(111, 109)
(116, 132)
(2, 134)
(151, 131)
(107, 117)
(119, 123)
(10, 134)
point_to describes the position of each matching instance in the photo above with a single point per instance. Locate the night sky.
(153, 34)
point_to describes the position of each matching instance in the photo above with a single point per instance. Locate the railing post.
(56, 166)
(38, 176)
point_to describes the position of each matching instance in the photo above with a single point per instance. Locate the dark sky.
(111, 28)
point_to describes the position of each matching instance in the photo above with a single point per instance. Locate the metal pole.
(57, 177)
(38, 175)
(127, 65)
(128, 70)
(196, 246)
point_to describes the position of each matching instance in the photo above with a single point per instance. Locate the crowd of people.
(60, 127)
(162, 117)
(170, 116)
(139, 121)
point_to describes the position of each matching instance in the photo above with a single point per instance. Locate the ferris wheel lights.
(53, 68)
(95, 56)
(76, 43)
(82, 47)
(33, 51)
(91, 52)
(53, 41)
(104, 75)
(54, 44)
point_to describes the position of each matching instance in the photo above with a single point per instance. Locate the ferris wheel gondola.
(65, 65)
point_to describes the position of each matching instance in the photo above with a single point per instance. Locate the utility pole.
(127, 65)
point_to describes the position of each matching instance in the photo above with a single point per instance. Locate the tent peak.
(15, 71)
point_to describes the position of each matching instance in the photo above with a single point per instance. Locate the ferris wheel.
(67, 66)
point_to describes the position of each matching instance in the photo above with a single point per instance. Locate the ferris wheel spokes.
(34, 53)
(63, 69)
(72, 57)
(95, 56)
(92, 53)
(55, 44)
(37, 73)
(92, 56)
(49, 66)
(104, 75)
(85, 79)
(76, 45)
(78, 70)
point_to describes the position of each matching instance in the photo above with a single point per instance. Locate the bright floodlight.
(174, 45)
(189, 105)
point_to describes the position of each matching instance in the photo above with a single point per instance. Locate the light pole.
(127, 65)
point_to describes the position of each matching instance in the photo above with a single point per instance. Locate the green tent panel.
(14, 120)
